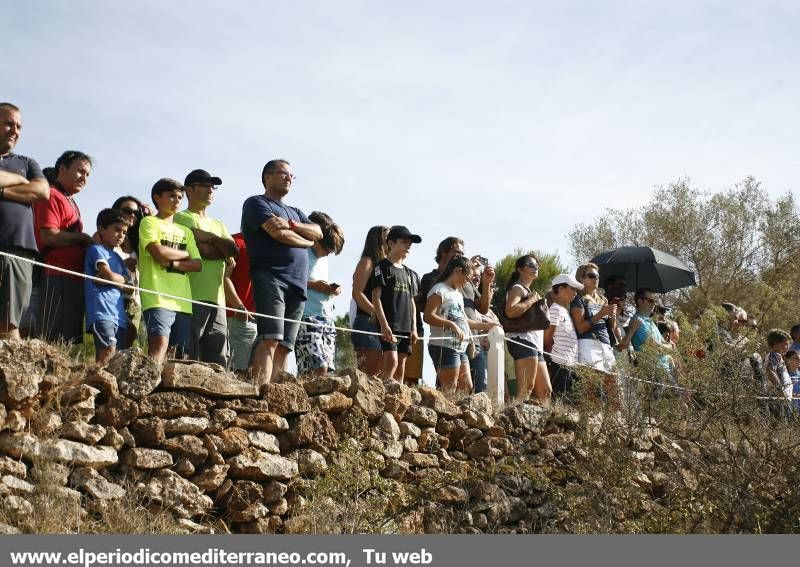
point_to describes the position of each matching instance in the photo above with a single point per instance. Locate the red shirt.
(61, 213)
(240, 276)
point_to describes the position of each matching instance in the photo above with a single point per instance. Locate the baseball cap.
(201, 176)
(399, 231)
(567, 279)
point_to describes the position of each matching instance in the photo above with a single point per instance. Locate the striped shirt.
(565, 340)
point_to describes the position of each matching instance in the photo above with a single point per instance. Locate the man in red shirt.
(62, 243)
(239, 295)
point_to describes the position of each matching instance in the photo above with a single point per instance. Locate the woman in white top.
(527, 348)
(450, 327)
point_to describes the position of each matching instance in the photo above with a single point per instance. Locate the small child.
(778, 378)
(393, 291)
(106, 318)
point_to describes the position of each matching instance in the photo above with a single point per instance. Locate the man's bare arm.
(286, 236)
(54, 238)
(28, 192)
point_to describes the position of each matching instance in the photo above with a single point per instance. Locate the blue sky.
(505, 123)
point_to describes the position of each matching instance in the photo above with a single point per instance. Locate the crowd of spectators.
(176, 277)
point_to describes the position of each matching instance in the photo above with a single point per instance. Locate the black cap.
(399, 231)
(201, 176)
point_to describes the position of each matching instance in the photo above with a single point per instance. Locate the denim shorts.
(177, 326)
(364, 322)
(445, 358)
(403, 346)
(108, 334)
(277, 298)
(519, 352)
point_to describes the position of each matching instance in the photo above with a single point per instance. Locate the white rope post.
(496, 361)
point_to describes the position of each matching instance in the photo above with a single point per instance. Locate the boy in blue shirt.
(106, 318)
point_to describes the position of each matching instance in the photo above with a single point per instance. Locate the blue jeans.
(479, 370)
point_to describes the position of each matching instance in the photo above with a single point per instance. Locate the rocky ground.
(198, 445)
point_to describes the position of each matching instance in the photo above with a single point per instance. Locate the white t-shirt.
(565, 340)
(452, 309)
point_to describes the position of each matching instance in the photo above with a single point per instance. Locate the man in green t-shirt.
(167, 252)
(209, 332)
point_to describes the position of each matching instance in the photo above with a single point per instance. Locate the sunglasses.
(532, 265)
(129, 211)
(592, 275)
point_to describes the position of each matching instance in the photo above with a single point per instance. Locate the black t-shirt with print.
(398, 289)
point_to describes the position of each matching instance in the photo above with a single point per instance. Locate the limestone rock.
(367, 392)
(421, 416)
(176, 494)
(392, 449)
(280, 507)
(12, 467)
(310, 462)
(174, 404)
(482, 421)
(274, 491)
(142, 458)
(408, 428)
(269, 422)
(15, 421)
(186, 446)
(137, 374)
(234, 441)
(314, 430)
(17, 509)
(529, 417)
(321, 385)
(186, 425)
(95, 485)
(335, 402)
(388, 426)
(83, 432)
(77, 393)
(421, 460)
(205, 379)
(25, 365)
(242, 494)
(450, 495)
(410, 444)
(5, 529)
(398, 398)
(45, 423)
(13, 484)
(488, 447)
(27, 446)
(105, 382)
(211, 477)
(259, 466)
(438, 402)
(244, 405)
(250, 513)
(184, 467)
(397, 470)
(113, 439)
(287, 399)
(117, 412)
(148, 432)
(263, 441)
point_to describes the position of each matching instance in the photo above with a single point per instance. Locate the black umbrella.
(642, 266)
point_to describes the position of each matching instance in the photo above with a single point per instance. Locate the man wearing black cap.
(208, 340)
(276, 236)
(393, 289)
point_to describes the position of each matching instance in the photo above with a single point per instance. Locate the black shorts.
(402, 346)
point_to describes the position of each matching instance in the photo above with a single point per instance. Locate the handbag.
(536, 318)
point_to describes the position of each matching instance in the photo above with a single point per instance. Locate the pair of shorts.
(241, 338)
(108, 334)
(61, 303)
(177, 326)
(279, 299)
(209, 336)
(364, 322)
(524, 350)
(402, 346)
(445, 358)
(16, 284)
(316, 345)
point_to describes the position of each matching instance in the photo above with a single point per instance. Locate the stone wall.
(199, 443)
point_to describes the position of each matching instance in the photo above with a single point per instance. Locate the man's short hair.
(641, 292)
(446, 245)
(163, 185)
(777, 336)
(795, 331)
(270, 166)
(613, 280)
(69, 157)
(9, 105)
(107, 217)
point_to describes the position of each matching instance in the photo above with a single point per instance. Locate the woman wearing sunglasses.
(590, 311)
(527, 348)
